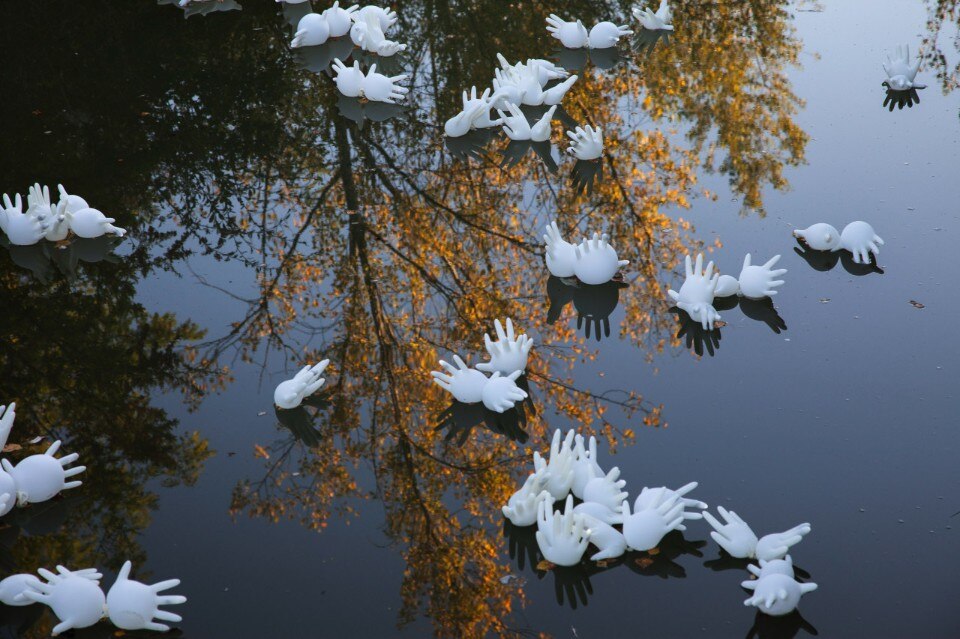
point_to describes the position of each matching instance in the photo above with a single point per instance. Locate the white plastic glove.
(290, 393)
(40, 477)
(132, 605)
(21, 229)
(585, 466)
(777, 545)
(559, 468)
(339, 20)
(481, 118)
(606, 490)
(645, 528)
(697, 293)
(523, 511)
(587, 143)
(572, 35)
(349, 80)
(648, 496)
(380, 88)
(312, 30)
(75, 598)
(554, 95)
(860, 239)
(7, 415)
(734, 536)
(385, 17)
(757, 282)
(597, 261)
(562, 538)
(561, 255)
(773, 567)
(508, 353)
(776, 594)
(608, 539)
(38, 202)
(605, 35)
(901, 74)
(515, 125)
(599, 511)
(464, 383)
(500, 394)
(540, 131)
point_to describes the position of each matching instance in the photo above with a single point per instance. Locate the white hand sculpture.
(544, 70)
(506, 91)
(645, 528)
(339, 20)
(481, 119)
(7, 415)
(587, 143)
(901, 74)
(380, 88)
(40, 477)
(461, 124)
(606, 490)
(773, 567)
(349, 80)
(819, 237)
(606, 34)
(735, 536)
(776, 594)
(132, 605)
(776, 545)
(561, 255)
(648, 497)
(464, 383)
(554, 95)
(21, 229)
(386, 17)
(860, 239)
(75, 599)
(727, 285)
(757, 282)
(13, 587)
(90, 223)
(599, 511)
(597, 260)
(38, 202)
(501, 393)
(572, 35)
(8, 486)
(559, 468)
(523, 512)
(608, 539)
(71, 203)
(540, 132)
(562, 538)
(515, 125)
(290, 393)
(697, 293)
(368, 34)
(312, 30)
(585, 466)
(659, 21)
(507, 354)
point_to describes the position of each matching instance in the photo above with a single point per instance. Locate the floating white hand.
(697, 293)
(776, 594)
(132, 605)
(559, 468)
(312, 30)
(819, 237)
(561, 255)
(585, 466)
(757, 282)
(38, 202)
(21, 229)
(587, 143)
(735, 536)
(562, 538)
(7, 415)
(339, 20)
(773, 567)
(40, 477)
(901, 73)
(776, 545)
(13, 587)
(349, 80)
(599, 511)
(648, 497)
(380, 88)
(597, 260)
(554, 95)
(515, 125)
(386, 18)
(606, 34)
(860, 239)
(572, 35)
(523, 511)
(90, 223)
(75, 598)
(501, 393)
(606, 490)
(464, 383)
(540, 132)
(659, 21)
(608, 539)
(480, 107)
(645, 528)
(290, 393)
(508, 353)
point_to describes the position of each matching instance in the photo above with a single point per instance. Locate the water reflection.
(45, 259)
(900, 99)
(825, 261)
(698, 339)
(785, 627)
(202, 7)
(594, 304)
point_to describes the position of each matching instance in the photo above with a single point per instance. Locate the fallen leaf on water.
(653, 552)
(720, 324)
(917, 304)
(261, 413)
(644, 562)
(602, 563)
(9, 448)
(824, 300)
(260, 451)
(545, 565)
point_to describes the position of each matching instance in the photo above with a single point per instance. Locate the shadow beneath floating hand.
(785, 627)
(646, 40)
(826, 260)
(460, 419)
(359, 111)
(319, 58)
(698, 338)
(585, 174)
(763, 310)
(900, 99)
(517, 149)
(470, 145)
(661, 563)
(301, 422)
(594, 304)
(605, 59)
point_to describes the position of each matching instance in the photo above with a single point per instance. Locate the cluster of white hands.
(572, 34)
(572, 471)
(593, 261)
(508, 361)
(45, 220)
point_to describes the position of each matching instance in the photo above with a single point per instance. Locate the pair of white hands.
(775, 590)
(508, 360)
(78, 601)
(573, 35)
(367, 28)
(374, 86)
(592, 261)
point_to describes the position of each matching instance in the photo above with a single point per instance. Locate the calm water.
(268, 229)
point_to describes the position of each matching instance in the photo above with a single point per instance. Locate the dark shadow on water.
(645, 40)
(459, 419)
(319, 58)
(471, 145)
(585, 174)
(560, 293)
(606, 59)
(662, 563)
(900, 99)
(517, 149)
(301, 422)
(292, 13)
(594, 304)
(45, 259)
(826, 260)
(571, 59)
(698, 339)
(786, 627)
(359, 111)
(204, 7)
(763, 310)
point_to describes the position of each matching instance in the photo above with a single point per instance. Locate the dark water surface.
(267, 229)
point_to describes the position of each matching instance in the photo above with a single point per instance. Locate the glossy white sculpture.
(290, 393)
(475, 114)
(339, 20)
(697, 293)
(521, 508)
(572, 35)
(587, 142)
(659, 21)
(368, 34)
(517, 127)
(857, 237)
(509, 353)
(773, 567)
(757, 282)
(554, 95)
(76, 600)
(739, 540)
(558, 469)
(607, 490)
(40, 206)
(820, 237)
(386, 17)
(597, 261)
(501, 393)
(8, 486)
(901, 73)
(380, 88)
(90, 223)
(524, 82)
(7, 416)
(464, 383)
(599, 511)
(132, 605)
(605, 35)
(40, 477)
(727, 285)
(349, 80)
(13, 587)
(776, 594)
(70, 203)
(649, 497)
(312, 30)
(608, 539)
(585, 466)
(645, 528)
(542, 70)
(562, 538)
(21, 229)
(561, 255)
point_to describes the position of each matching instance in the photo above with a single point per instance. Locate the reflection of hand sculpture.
(697, 337)
(349, 80)
(597, 261)
(562, 538)
(606, 490)
(558, 469)
(776, 594)
(572, 35)
(857, 237)
(501, 393)
(759, 281)
(587, 143)
(21, 229)
(7, 415)
(739, 540)
(291, 392)
(604, 35)
(464, 383)
(585, 466)
(608, 539)
(509, 353)
(697, 293)
(561, 255)
(649, 496)
(132, 605)
(659, 21)
(312, 30)
(901, 74)
(76, 600)
(339, 20)
(381, 88)
(594, 306)
(40, 477)
(645, 528)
